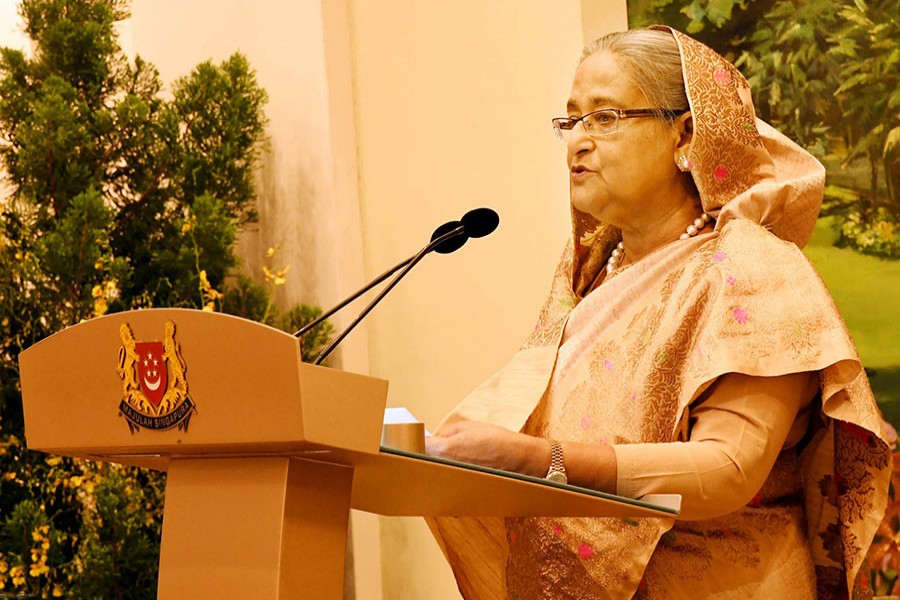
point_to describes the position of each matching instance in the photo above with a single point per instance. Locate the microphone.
(476, 223)
(480, 222)
(447, 238)
(452, 243)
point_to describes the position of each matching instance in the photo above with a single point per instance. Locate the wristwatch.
(557, 472)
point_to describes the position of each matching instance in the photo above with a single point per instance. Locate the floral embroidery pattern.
(724, 127)
(552, 560)
(721, 173)
(722, 76)
(646, 355)
(585, 551)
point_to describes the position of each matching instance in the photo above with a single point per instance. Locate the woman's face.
(628, 177)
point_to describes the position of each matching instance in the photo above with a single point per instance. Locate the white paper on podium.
(401, 414)
(672, 501)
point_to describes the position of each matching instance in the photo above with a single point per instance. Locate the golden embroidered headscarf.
(742, 301)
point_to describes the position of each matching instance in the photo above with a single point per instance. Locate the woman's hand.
(588, 465)
(491, 446)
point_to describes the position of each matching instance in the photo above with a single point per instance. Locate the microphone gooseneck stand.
(447, 238)
(303, 330)
(409, 264)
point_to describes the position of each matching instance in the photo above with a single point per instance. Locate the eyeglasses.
(606, 120)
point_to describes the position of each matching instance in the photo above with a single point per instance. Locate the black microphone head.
(480, 222)
(453, 244)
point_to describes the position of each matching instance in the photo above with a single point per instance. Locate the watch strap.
(557, 471)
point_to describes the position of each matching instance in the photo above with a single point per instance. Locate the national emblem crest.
(154, 387)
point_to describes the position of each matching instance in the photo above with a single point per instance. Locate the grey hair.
(652, 62)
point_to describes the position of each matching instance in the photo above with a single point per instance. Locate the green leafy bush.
(879, 234)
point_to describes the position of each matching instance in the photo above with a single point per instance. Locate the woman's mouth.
(579, 172)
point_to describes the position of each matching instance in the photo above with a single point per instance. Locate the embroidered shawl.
(740, 300)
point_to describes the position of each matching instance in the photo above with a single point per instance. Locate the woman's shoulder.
(746, 266)
(746, 237)
(758, 255)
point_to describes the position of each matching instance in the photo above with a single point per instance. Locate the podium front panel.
(229, 386)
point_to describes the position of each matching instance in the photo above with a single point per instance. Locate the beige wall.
(388, 118)
(453, 108)
(10, 28)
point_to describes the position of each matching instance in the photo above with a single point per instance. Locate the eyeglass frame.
(620, 113)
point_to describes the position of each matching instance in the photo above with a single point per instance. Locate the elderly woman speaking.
(687, 347)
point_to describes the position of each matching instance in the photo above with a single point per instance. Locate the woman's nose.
(579, 141)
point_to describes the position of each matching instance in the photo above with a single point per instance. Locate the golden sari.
(626, 360)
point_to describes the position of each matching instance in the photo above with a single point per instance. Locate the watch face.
(557, 477)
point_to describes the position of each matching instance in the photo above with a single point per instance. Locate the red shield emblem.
(154, 388)
(151, 368)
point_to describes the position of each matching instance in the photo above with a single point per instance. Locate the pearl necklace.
(693, 229)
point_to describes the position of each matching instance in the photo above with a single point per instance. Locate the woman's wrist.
(533, 456)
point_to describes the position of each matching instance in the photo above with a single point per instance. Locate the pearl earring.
(683, 163)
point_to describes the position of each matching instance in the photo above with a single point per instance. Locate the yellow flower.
(6, 321)
(278, 278)
(186, 227)
(885, 230)
(57, 591)
(38, 569)
(270, 252)
(54, 460)
(100, 307)
(17, 574)
(75, 480)
(9, 476)
(99, 264)
(97, 291)
(210, 294)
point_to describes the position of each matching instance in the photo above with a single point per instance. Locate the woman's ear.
(684, 125)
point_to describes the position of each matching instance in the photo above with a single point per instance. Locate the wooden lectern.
(265, 455)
